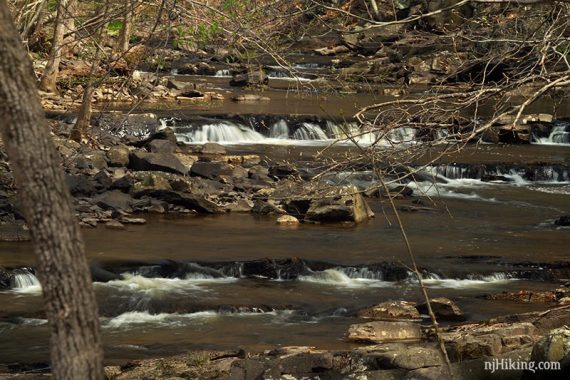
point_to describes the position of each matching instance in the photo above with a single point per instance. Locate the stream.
(194, 282)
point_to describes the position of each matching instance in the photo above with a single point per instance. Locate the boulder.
(149, 183)
(80, 185)
(563, 221)
(213, 148)
(91, 160)
(167, 162)
(118, 156)
(404, 356)
(115, 200)
(253, 77)
(5, 279)
(161, 146)
(190, 201)
(476, 341)
(287, 220)
(102, 180)
(211, 170)
(443, 308)
(340, 204)
(391, 310)
(554, 347)
(266, 208)
(384, 331)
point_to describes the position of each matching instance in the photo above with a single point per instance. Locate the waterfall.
(224, 131)
(560, 135)
(223, 73)
(24, 278)
(451, 171)
(310, 131)
(399, 136)
(279, 130)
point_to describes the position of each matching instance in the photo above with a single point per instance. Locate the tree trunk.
(71, 308)
(49, 78)
(69, 22)
(126, 31)
(84, 114)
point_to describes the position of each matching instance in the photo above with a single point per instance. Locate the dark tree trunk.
(71, 308)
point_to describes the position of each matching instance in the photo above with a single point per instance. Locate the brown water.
(480, 235)
(154, 317)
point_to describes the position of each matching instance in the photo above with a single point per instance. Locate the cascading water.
(310, 131)
(560, 135)
(224, 131)
(223, 73)
(24, 279)
(403, 135)
(279, 130)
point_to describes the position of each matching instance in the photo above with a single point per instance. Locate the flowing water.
(216, 282)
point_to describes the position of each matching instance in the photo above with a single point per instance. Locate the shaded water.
(475, 250)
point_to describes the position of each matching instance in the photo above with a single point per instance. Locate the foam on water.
(446, 190)
(435, 281)
(340, 278)
(157, 285)
(141, 318)
(134, 319)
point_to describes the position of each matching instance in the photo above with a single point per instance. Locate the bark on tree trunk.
(69, 35)
(71, 308)
(49, 78)
(127, 29)
(84, 114)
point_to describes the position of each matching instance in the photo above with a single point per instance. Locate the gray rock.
(213, 148)
(115, 200)
(253, 77)
(211, 170)
(443, 308)
(166, 162)
(5, 279)
(190, 201)
(118, 156)
(161, 146)
(340, 204)
(80, 185)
